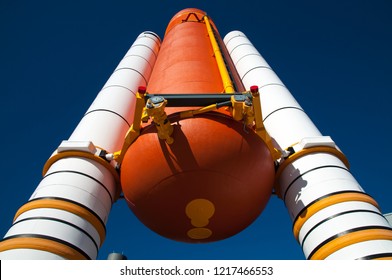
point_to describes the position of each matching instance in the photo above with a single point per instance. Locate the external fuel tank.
(217, 176)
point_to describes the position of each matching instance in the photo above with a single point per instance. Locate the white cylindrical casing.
(66, 215)
(366, 250)
(109, 117)
(333, 218)
(334, 210)
(314, 175)
(340, 224)
(82, 181)
(62, 216)
(67, 233)
(283, 117)
(29, 254)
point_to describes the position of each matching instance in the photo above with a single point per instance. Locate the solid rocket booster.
(65, 217)
(333, 218)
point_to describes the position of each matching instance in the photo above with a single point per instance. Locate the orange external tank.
(217, 176)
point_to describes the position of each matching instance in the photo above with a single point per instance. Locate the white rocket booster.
(333, 218)
(65, 217)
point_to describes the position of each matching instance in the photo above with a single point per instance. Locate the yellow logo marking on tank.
(200, 211)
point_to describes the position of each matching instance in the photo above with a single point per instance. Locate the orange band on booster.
(66, 206)
(349, 239)
(328, 201)
(42, 244)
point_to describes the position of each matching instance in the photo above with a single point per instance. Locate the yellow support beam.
(259, 126)
(227, 83)
(192, 113)
(134, 130)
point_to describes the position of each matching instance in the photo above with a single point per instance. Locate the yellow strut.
(142, 112)
(259, 126)
(134, 130)
(191, 113)
(227, 83)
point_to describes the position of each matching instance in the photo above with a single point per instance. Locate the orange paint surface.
(216, 178)
(185, 62)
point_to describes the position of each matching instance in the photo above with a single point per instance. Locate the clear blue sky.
(334, 56)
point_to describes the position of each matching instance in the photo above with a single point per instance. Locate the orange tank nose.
(216, 177)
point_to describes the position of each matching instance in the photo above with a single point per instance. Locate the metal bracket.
(243, 106)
